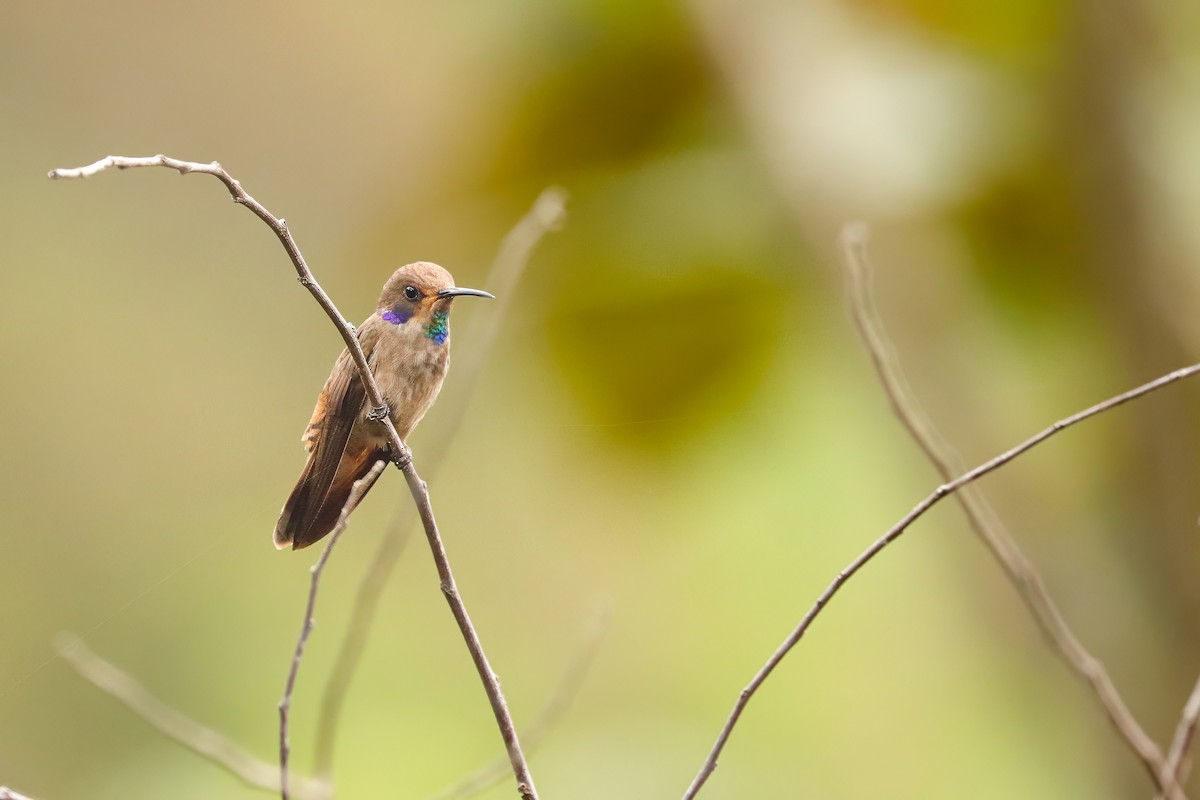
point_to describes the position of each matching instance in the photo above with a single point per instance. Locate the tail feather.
(313, 508)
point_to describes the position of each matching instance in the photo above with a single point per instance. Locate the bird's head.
(421, 294)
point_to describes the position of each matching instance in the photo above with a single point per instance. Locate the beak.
(455, 291)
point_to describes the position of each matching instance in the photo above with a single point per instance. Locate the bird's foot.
(401, 459)
(379, 413)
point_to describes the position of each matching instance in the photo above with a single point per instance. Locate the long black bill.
(455, 291)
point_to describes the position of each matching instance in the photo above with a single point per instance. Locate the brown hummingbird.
(407, 344)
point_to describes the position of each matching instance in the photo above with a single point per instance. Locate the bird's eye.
(411, 292)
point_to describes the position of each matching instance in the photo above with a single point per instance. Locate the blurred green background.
(676, 419)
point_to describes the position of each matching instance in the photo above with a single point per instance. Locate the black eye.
(411, 292)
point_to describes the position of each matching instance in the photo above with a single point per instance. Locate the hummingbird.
(407, 345)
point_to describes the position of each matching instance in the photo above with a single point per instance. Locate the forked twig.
(939, 494)
(1179, 760)
(173, 724)
(357, 491)
(417, 488)
(1019, 570)
(546, 214)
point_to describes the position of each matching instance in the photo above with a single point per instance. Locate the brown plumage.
(406, 342)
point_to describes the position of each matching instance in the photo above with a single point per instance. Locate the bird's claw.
(379, 413)
(401, 459)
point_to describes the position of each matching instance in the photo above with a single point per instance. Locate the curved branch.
(279, 227)
(416, 486)
(202, 740)
(1019, 570)
(547, 214)
(893, 533)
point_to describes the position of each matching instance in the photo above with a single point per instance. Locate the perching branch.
(417, 488)
(200, 739)
(893, 533)
(547, 214)
(420, 493)
(1020, 571)
(279, 227)
(568, 686)
(357, 491)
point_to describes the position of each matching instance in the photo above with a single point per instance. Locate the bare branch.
(983, 520)
(420, 493)
(547, 214)
(279, 227)
(200, 739)
(403, 457)
(357, 491)
(366, 603)
(556, 707)
(938, 494)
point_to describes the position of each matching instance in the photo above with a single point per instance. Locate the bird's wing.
(339, 407)
(342, 389)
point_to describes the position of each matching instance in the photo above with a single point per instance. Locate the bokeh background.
(676, 421)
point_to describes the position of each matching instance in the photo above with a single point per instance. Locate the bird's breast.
(409, 368)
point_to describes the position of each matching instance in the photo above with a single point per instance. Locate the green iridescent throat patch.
(439, 328)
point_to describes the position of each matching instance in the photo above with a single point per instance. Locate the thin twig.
(357, 491)
(416, 486)
(556, 707)
(420, 493)
(938, 494)
(279, 227)
(1020, 571)
(366, 603)
(1179, 760)
(547, 214)
(200, 739)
